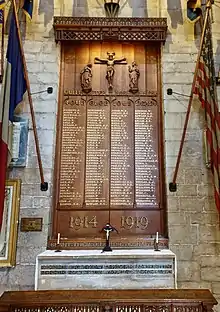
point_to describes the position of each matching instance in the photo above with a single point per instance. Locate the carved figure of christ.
(110, 61)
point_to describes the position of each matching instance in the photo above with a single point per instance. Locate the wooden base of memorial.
(156, 300)
(109, 164)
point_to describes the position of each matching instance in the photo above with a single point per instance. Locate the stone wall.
(193, 221)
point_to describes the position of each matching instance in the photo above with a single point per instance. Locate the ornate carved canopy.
(106, 29)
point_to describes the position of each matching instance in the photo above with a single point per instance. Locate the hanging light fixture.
(112, 8)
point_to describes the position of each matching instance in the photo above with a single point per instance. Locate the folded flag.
(1, 16)
(12, 91)
(194, 10)
(28, 8)
(2, 3)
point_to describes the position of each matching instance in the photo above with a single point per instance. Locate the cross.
(110, 61)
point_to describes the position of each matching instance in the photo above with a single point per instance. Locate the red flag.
(205, 88)
(4, 139)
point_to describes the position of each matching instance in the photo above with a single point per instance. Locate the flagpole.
(44, 185)
(2, 42)
(172, 185)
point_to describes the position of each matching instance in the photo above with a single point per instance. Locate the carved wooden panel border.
(117, 29)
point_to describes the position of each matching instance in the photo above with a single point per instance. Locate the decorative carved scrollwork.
(107, 308)
(117, 244)
(118, 29)
(116, 93)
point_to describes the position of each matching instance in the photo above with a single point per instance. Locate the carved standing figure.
(110, 62)
(134, 75)
(86, 78)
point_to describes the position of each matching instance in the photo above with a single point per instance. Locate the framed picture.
(9, 230)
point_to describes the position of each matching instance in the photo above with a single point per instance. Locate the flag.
(2, 3)
(1, 16)
(205, 88)
(194, 10)
(13, 89)
(28, 8)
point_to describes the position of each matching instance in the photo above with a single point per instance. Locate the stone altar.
(92, 269)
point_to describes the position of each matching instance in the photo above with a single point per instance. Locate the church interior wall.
(193, 222)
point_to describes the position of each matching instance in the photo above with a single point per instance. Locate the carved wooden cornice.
(105, 29)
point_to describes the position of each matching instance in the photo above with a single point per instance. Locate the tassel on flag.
(28, 8)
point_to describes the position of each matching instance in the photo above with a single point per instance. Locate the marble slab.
(92, 269)
(19, 142)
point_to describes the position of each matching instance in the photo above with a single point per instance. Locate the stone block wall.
(192, 218)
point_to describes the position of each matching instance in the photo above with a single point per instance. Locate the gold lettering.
(130, 222)
(78, 222)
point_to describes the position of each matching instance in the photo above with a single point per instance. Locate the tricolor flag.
(28, 8)
(205, 88)
(13, 89)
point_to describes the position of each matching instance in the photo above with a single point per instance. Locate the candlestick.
(156, 242)
(58, 238)
(58, 243)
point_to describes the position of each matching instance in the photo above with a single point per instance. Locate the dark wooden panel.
(82, 224)
(142, 299)
(109, 145)
(136, 222)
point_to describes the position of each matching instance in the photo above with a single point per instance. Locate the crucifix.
(110, 61)
(108, 229)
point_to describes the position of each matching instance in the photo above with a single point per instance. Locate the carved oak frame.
(117, 29)
(100, 29)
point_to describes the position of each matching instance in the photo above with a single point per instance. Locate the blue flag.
(1, 16)
(14, 69)
(194, 10)
(28, 8)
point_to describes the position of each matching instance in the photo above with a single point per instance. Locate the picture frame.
(9, 230)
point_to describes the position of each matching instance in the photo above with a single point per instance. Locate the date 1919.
(129, 222)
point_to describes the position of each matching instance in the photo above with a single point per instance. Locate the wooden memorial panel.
(109, 157)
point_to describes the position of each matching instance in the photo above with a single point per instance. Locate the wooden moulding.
(108, 29)
(182, 300)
